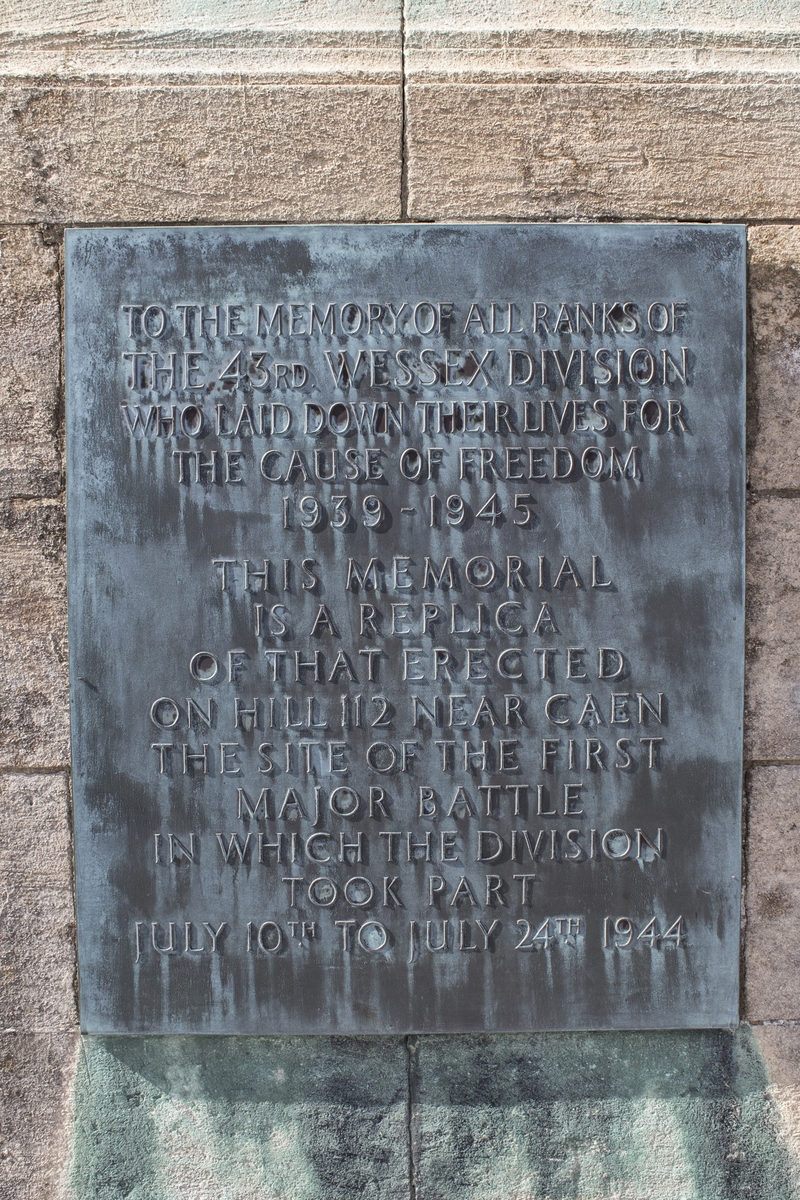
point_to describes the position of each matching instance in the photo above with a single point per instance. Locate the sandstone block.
(238, 16)
(36, 1075)
(37, 921)
(779, 1046)
(30, 354)
(602, 148)
(774, 367)
(213, 152)
(753, 16)
(34, 700)
(772, 685)
(772, 935)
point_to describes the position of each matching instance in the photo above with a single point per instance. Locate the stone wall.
(250, 111)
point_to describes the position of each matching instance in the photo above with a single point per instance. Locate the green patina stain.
(240, 1119)
(628, 1116)
(620, 1116)
(114, 1150)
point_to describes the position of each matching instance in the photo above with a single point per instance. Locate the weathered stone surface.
(605, 42)
(220, 56)
(289, 1118)
(585, 1116)
(774, 419)
(183, 153)
(772, 685)
(553, 54)
(240, 16)
(620, 110)
(36, 1076)
(779, 1046)
(183, 40)
(30, 352)
(772, 937)
(37, 918)
(627, 150)
(755, 16)
(34, 694)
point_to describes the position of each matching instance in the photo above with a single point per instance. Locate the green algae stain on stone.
(240, 1119)
(614, 1116)
(115, 1146)
(731, 1137)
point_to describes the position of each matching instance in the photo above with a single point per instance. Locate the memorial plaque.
(406, 626)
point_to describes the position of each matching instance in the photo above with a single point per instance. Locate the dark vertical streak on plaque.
(406, 626)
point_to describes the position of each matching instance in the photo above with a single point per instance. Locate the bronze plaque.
(406, 626)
